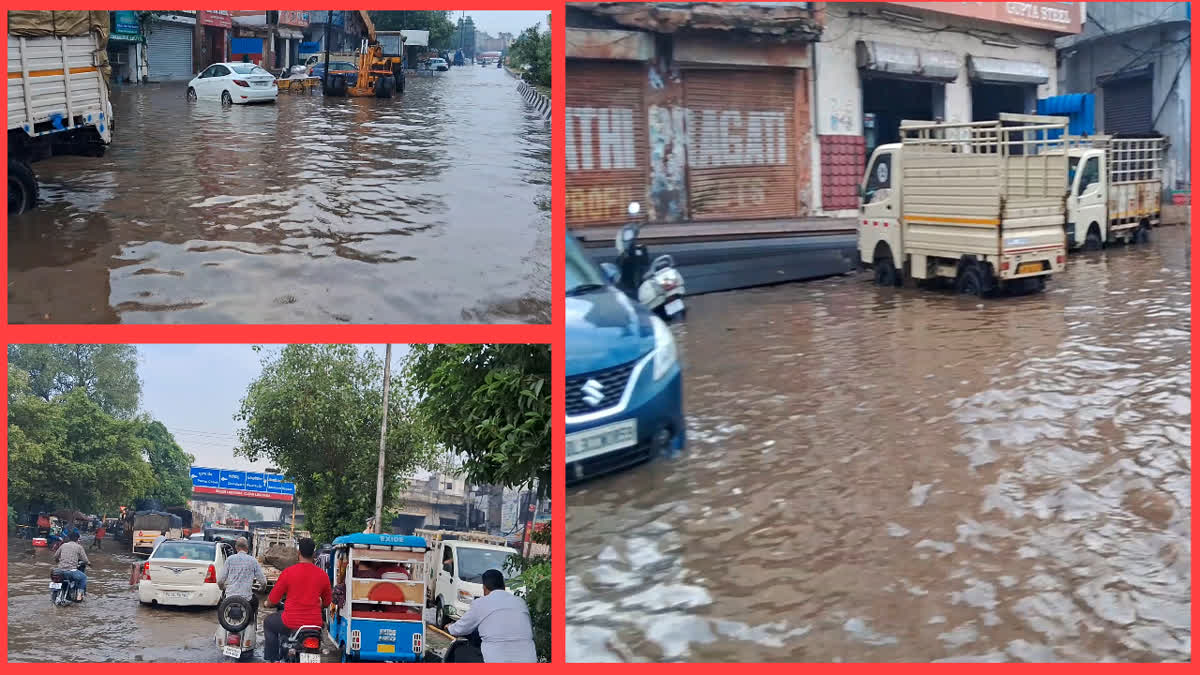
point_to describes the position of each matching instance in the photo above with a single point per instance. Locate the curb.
(535, 98)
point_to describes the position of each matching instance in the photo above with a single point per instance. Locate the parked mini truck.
(57, 93)
(980, 203)
(1116, 190)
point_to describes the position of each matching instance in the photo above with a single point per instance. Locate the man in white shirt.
(158, 540)
(502, 620)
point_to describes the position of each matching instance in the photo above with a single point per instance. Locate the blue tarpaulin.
(246, 46)
(1079, 109)
(310, 47)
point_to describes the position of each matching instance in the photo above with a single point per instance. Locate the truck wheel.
(22, 187)
(1142, 235)
(970, 281)
(385, 86)
(1093, 243)
(440, 613)
(885, 272)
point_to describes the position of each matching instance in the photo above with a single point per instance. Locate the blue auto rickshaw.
(378, 585)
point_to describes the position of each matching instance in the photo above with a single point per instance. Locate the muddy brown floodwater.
(432, 207)
(110, 624)
(905, 475)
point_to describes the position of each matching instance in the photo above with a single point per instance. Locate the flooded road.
(432, 207)
(110, 624)
(902, 475)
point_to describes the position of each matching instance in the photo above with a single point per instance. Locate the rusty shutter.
(1127, 107)
(605, 141)
(741, 143)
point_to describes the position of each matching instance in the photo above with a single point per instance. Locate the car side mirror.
(611, 272)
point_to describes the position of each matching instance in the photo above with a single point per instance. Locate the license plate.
(604, 439)
(232, 652)
(177, 594)
(305, 657)
(674, 307)
(259, 84)
(55, 586)
(387, 649)
(1029, 268)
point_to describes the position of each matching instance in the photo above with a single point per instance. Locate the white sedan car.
(234, 83)
(183, 572)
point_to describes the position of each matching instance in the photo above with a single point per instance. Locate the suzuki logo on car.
(593, 392)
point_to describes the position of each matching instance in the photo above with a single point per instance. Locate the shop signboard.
(1059, 17)
(293, 18)
(217, 18)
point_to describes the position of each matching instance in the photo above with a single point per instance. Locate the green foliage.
(108, 373)
(488, 403)
(532, 48)
(170, 464)
(531, 580)
(315, 412)
(437, 22)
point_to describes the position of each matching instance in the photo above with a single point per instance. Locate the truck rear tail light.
(1060, 259)
(242, 83)
(1004, 266)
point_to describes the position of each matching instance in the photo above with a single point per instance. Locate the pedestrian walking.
(99, 538)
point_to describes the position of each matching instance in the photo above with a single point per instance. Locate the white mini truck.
(1116, 190)
(981, 204)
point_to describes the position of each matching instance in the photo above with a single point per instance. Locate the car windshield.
(228, 535)
(582, 274)
(186, 550)
(248, 69)
(473, 562)
(336, 65)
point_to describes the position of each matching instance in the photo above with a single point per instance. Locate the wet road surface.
(902, 475)
(432, 207)
(110, 624)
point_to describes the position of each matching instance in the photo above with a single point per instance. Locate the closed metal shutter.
(605, 128)
(741, 144)
(1128, 107)
(169, 51)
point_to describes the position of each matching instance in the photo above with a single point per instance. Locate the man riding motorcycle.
(67, 559)
(306, 589)
(502, 621)
(240, 572)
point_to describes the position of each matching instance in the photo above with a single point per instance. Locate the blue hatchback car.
(624, 385)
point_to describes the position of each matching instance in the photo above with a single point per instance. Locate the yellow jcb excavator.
(378, 75)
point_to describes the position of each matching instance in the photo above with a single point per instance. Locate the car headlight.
(664, 347)
(465, 596)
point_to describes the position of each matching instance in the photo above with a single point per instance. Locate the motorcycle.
(465, 650)
(302, 646)
(238, 630)
(657, 285)
(63, 589)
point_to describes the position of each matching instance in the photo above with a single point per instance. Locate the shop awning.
(290, 34)
(1006, 71)
(908, 62)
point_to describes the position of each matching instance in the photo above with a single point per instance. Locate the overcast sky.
(496, 21)
(195, 390)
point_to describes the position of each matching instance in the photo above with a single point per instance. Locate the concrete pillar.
(666, 130)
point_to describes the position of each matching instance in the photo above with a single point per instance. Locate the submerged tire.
(1142, 235)
(885, 272)
(385, 86)
(1093, 243)
(337, 85)
(22, 187)
(971, 281)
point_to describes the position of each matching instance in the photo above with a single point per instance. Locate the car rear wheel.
(226, 99)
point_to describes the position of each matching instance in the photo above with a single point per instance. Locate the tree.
(488, 403)
(170, 464)
(532, 48)
(106, 372)
(433, 20)
(315, 412)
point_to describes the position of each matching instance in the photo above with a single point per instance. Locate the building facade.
(1135, 59)
(700, 111)
(214, 29)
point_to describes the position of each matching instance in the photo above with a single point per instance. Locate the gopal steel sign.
(1060, 17)
(241, 484)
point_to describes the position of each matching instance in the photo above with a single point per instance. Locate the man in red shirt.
(307, 591)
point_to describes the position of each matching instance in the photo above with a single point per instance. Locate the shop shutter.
(605, 128)
(741, 157)
(169, 51)
(1128, 107)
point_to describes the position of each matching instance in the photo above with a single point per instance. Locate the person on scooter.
(67, 559)
(240, 572)
(502, 620)
(306, 589)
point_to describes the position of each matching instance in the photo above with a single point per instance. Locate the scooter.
(63, 589)
(657, 285)
(238, 629)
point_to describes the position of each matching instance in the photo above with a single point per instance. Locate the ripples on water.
(878, 475)
(432, 207)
